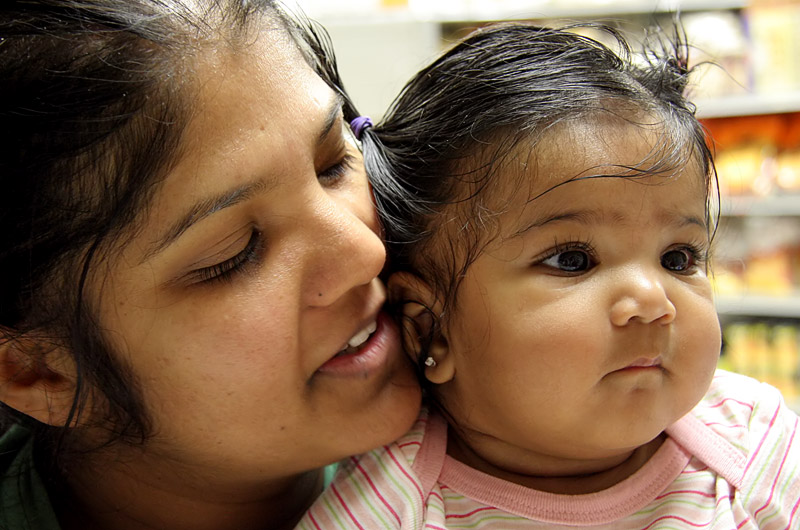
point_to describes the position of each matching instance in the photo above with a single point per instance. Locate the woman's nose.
(641, 297)
(347, 251)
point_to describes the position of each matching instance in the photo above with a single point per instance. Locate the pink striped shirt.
(732, 463)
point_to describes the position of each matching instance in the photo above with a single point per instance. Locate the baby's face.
(589, 326)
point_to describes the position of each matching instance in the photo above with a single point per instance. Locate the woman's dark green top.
(24, 502)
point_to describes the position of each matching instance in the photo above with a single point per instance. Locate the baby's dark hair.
(503, 87)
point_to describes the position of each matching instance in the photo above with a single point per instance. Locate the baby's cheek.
(701, 353)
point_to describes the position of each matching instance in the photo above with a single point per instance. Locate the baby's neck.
(555, 475)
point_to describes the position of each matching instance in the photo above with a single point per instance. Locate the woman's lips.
(369, 356)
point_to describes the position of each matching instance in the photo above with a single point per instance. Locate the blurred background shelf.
(448, 11)
(748, 105)
(756, 305)
(784, 205)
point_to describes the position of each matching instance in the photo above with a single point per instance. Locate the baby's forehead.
(607, 204)
(596, 146)
(549, 169)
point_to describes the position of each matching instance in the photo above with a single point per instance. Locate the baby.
(549, 207)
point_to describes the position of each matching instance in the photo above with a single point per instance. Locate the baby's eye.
(678, 260)
(570, 261)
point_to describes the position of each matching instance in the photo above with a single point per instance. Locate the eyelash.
(698, 254)
(338, 170)
(225, 270)
(560, 248)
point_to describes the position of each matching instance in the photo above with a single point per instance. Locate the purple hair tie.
(359, 124)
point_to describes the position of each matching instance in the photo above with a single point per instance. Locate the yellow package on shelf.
(767, 352)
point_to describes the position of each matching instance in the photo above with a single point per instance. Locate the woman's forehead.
(245, 127)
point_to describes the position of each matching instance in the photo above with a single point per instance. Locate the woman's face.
(255, 267)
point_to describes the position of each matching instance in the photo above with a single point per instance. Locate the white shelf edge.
(588, 9)
(533, 10)
(751, 305)
(785, 205)
(748, 105)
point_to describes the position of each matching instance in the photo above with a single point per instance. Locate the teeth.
(362, 336)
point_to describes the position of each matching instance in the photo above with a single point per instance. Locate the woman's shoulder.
(15, 445)
(24, 502)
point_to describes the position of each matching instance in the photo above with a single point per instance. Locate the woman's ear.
(36, 378)
(421, 326)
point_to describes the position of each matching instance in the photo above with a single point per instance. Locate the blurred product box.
(767, 352)
(775, 45)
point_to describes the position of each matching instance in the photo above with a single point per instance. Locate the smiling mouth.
(368, 352)
(358, 340)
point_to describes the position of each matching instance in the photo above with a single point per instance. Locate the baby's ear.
(423, 337)
(36, 378)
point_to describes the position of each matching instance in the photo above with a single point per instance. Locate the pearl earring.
(430, 362)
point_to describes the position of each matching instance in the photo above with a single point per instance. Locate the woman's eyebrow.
(334, 111)
(226, 199)
(203, 209)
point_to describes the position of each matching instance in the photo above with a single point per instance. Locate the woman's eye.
(679, 260)
(239, 263)
(337, 171)
(570, 261)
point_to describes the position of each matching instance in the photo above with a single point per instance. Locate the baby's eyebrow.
(586, 217)
(598, 217)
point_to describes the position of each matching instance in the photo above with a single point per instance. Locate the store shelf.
(763, 306)
(787, 205)
(748, 105)
(446, 12)
(555, 9)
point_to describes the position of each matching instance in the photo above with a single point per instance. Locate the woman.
(190, 316)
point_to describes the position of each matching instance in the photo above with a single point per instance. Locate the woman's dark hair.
(94, 98)
(500, 89)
